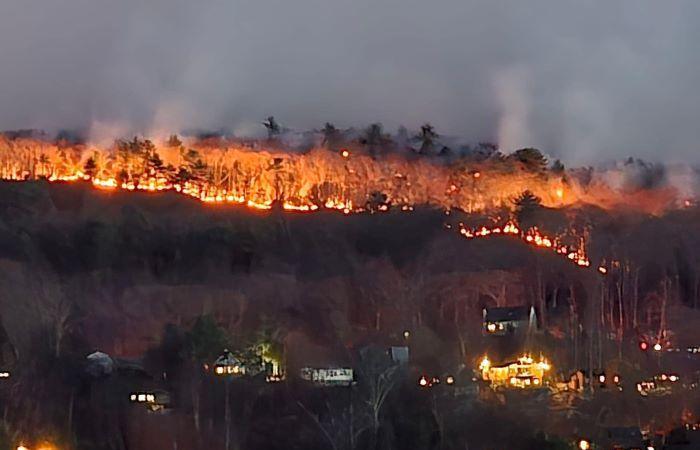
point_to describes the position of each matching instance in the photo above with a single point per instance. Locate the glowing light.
(559, 192)
(423, 381)
(406, 334)
(491, 327)
(344, 153)
(450, 379)
(485, 364)
(584, 444)
(601, 378)
(657, 347)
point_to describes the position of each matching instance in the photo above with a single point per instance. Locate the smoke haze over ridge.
(580, 80)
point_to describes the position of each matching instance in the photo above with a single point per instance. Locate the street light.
(657, 347)
(584, 444)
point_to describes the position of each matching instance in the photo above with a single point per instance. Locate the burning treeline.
(351, 178)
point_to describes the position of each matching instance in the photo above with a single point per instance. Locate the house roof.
(507, 313)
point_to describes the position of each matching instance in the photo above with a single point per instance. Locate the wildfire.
(229, 172)
(533, 237)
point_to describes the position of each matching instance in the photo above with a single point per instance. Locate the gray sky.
(584, 80)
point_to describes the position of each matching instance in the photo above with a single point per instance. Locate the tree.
(557, 167)
(174, 141)
(379, 377)
(90, 167)
(531, 158)
(332, 136)
(427, 138)
(486, 150)
(273, 128)
(194, 169)
(205, 341)
(374, 138)
(526, 204)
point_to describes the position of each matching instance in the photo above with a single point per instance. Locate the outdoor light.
(406, 334)
(491, 327)
(657, 347)
(643, 346)
(584, 444)
(601, 378)
(423, 381)
(344, 153)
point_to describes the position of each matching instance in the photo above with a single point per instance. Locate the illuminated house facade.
(509, 320)
(229, 365)
(524, 373)
(331, 376)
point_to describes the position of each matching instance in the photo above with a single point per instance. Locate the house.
(153, 399)
(502, 321)
(227, 364)
(524, 373)
(328, 376)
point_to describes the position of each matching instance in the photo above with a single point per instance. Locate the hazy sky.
(580, 79)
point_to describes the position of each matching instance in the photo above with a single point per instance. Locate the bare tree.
(52, 306)
(378, 378)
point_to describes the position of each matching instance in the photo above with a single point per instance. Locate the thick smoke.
(580, 80)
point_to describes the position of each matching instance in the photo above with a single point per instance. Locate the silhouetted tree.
(204, 343)
(90, 167)
(525, 205)
(557, 167)
(174, 141)
(531, 158)
(374, 138)
(427, 138)
(332, 137)
(273, 128)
